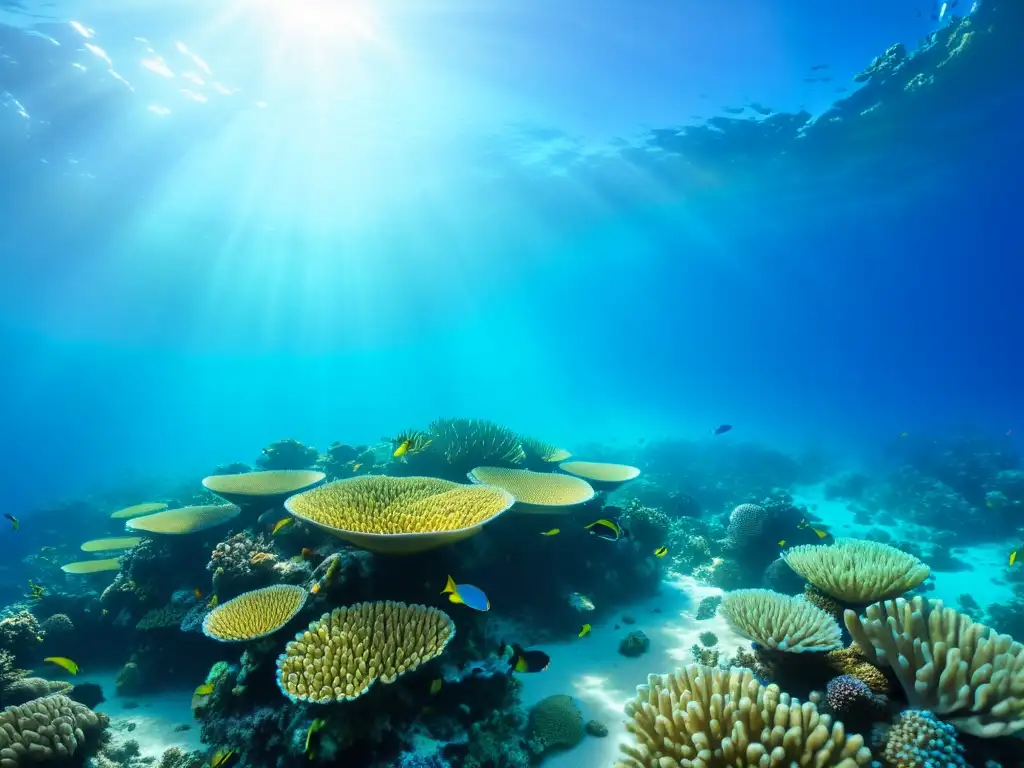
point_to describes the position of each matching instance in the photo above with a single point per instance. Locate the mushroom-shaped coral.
(255, 614)
(542, 492)
(857, 571)
(46, 730)
(781, 622)
(399, 514)
(263, 489)
(111, 544)
(946, 662)
(176, 522)
(342, 654)
(601, 475)
(84, 567)
(705, 716)
(139, 509)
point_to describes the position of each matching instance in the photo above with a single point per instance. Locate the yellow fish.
(222, 758)
(282, 523)
(355, 467)
(214, 601)
(782, 543)
(661, 551)
(435, 686)
(315, 726)
(67, 664)
(401, 449)
(204, 690)
(584, 630)
(606, 524)
(817, 532)
(552, 532)
(1013, 557)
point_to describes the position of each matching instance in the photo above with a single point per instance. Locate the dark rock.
(594, 728)
(634, 644)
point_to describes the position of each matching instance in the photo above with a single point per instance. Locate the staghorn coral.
(706, 656)
(945, 662)
(287, 454)
(851, 661)
(856, 571)
(342, 654)
(256, 614)
(536, 491)
(703, 716)
(384, 513)
(47, 730)
(556, 723)
(185, 520)
(781, 622)
(918, 739)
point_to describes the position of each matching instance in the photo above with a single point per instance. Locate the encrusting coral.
(705, 716)
(47, 730)
(255, 614)
(947, 663)
(857, 571)
(781, 622)
(341, 655)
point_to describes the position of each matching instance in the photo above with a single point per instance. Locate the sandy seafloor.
(590, 669)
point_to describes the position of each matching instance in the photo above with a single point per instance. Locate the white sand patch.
(601, 680)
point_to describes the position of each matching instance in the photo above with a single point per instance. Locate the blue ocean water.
(602, 222)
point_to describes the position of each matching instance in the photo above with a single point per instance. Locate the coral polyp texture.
(109, 545)
(947, 663)
(399, 514)
(781, 622)
(341, 655)
(709, 717)
(92, 566)
(48, 730)
(746, 524)
(919, 738)
(177, 522)
(139, 509)
(857, 571)
(254, 614)
(268, 485)
(536, 491)
(601, 474)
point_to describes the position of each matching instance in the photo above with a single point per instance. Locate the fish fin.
(450, 587)
(455, 598)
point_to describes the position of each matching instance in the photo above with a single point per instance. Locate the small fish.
(604, 527)
(15, 523)
(222, 758)
(661, 551)
(307, 553)
(214, 602)
(803, 524)
(355, 467)
(782, 543)
(197, 593)
(581, 602)
(106, 611)
(904, 434)
(466, 594)
(284, 522)
(526, 661)
(200, 695)
(552, 532)
(64, 663)
(1013, 557)
(204, 690)
(584, 631)
(315, 726)
(402, 449)
(817, 67)
(435, 686)
(36, 591)
(721, 429)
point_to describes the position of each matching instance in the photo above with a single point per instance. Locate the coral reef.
(857, 572)
(919, 738)
(781, 622)
(241, 563)
(287, 454)
(21, 635)
(256, 614)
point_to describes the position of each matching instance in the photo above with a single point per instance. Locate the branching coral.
(947, 663)
(702, 716)
(648, 526)
(857, 571)
(541, 455)
(46, 730)
(781, 622)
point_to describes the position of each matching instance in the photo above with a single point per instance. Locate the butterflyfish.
(402, 449)
(15, 523)
(1013, 557)
(315, 726)
(605, 529)
(435, 686)
(584, 630)
(821, 534)
(63, 663)
(526, 661)
(552, 532)
(661, 551)
(466, 594)
(222, 758)
(284, 522)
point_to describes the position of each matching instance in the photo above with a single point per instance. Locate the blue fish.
(721, 430)
(467, 594)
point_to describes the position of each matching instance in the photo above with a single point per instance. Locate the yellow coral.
(536, 491)
(780, 622)
(185, 520)
(852, 661)
(399, 514)
(106, 545)
(46, 730)
(93, 566)
(276, 484)
(601, 474)
(704, 716)
(341, 655)
(255, 614)
(857, 571)
(947, 663)
(139, 509)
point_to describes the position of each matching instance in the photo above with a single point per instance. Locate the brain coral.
(536, 491)
(707, 717)
(185, 520)
(918, 738)
(342, 654)
(255, 614)
(746, 524)
(556, 722)
(46, 730)
(601, 474)
(947, 663)
(781, 622)
(857, 571)
(402, 514)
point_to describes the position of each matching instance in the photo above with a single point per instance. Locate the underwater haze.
(764, 253)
